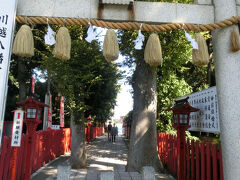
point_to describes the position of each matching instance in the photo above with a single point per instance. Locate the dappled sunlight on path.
(103, 155)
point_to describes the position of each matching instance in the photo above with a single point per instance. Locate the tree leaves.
(88, 82)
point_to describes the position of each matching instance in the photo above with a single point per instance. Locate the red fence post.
(203, 165)
(208, 161)
(192, 160)
(214, 162)
(24, 154)
(170, 153)
(175, 155)
(7, 160)
(3, 154)
(188, 160)
(197, 161)
(220, 162)
(13, 163)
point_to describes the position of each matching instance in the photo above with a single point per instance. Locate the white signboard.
(207, 119)
(7, 22)
(17, 128)
(55, 126)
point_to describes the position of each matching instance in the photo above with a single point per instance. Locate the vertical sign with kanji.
(49, 119)
(7, 24)
(62, 112)
(17, 128)
(207, 119)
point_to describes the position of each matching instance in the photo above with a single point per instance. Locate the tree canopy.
(177, 76)
(87, 81)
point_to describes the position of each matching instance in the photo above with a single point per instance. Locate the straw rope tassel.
(110, 46)
(23, 43)
(200, 56)
(62, 47)
(153, 51)
(235, 45)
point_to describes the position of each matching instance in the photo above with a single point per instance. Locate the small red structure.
(89, 124)
(181, 116)
(32, 119)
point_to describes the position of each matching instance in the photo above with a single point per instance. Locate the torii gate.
(227, 63)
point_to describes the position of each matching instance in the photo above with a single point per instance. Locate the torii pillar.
(227, 67)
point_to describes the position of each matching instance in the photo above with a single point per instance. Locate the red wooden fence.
(47, 146)
(95, 131)
(203, 160)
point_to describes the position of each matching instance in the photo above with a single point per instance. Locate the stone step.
(84, 174)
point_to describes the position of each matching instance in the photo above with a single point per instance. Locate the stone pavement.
(103, 155)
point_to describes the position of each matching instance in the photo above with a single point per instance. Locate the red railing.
(47, 146)
(203, 160)
(96, 131)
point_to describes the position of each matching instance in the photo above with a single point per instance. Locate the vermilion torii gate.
(227, 63)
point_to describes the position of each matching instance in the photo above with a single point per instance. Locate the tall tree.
(143, 142)
(85, 80)
(143, 146)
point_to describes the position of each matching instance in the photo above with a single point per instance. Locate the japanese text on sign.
(7, 21)
(3, 37)
(207, 119)
(17, 128)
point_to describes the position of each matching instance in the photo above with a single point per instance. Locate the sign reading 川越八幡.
(7, 24)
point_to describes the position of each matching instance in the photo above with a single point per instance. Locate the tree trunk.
(22, 79)
(78, 149)
(143, 139)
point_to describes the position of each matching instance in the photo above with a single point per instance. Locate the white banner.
(17, 128)
(7, 22)
(207, 119)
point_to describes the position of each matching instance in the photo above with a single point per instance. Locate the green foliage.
(169, 88)
(190, 137)
(87, 81)
(176, 77)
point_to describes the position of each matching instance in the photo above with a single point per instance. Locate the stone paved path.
(103, 155)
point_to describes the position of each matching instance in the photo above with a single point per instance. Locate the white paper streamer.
(49, 37)
(191, 40)
(139, 41)
(91, 33)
